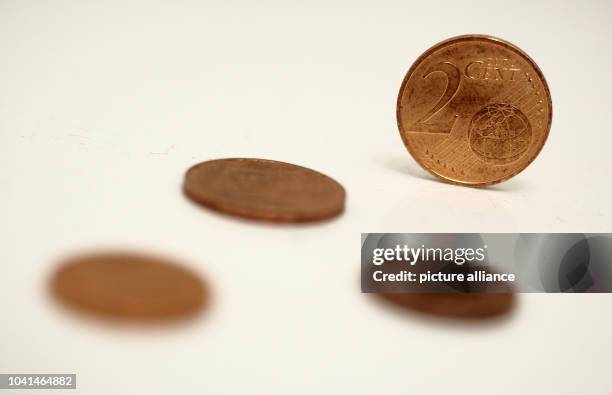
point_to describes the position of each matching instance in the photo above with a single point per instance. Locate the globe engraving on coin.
(265, 190)
(499, 133)
(474, 110)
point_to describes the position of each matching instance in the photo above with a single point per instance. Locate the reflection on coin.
(474, 110)
(265, 190)
(129, 286)
(455, 305)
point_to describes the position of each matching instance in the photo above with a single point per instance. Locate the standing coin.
(264, 189)
(129, 286)
(474, 110)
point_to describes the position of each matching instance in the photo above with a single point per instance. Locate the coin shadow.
(407, 167)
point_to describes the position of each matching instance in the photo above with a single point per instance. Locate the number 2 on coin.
(453, 79)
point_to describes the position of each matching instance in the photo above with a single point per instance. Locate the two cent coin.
(474, 110)
(265, 190)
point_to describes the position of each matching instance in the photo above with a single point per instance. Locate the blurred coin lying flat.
(474, 110)
(482, 300)
(264, 189)
(130, 286)
(455, 305)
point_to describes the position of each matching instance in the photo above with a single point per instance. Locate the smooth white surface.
(104, 105)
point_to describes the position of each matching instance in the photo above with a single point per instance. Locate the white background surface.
(104, 105)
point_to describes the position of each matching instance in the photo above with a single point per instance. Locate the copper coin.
(455, 305)
(131, 286)
(485, 300)
(265, 190)
(474, 110)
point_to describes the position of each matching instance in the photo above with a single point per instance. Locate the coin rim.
(473, 37)
(222, 208)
